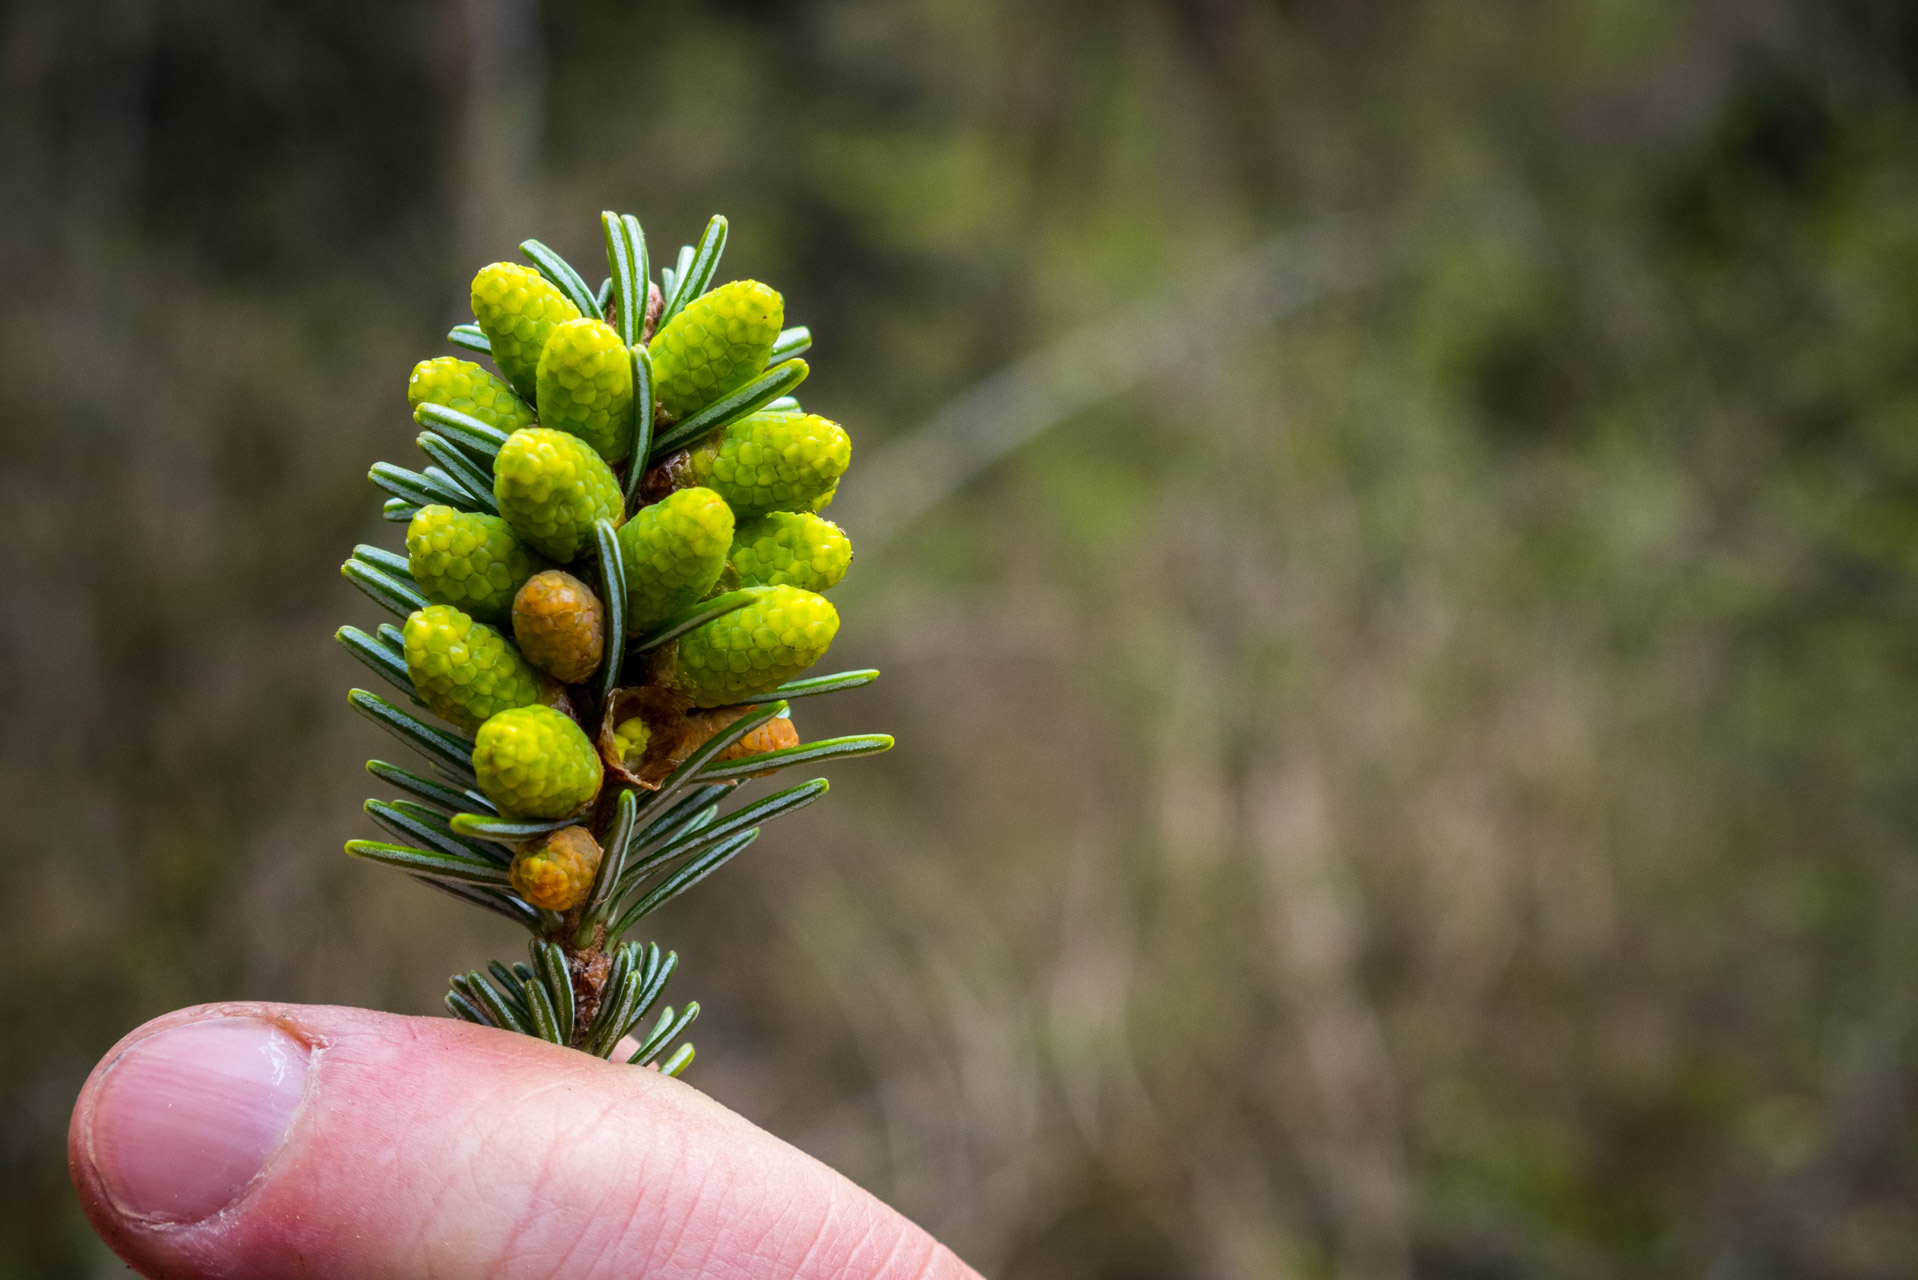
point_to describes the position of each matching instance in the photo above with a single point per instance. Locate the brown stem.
(588, 966)
(670, 473)
(655, 303)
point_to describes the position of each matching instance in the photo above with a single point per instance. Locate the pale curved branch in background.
(1143, 340)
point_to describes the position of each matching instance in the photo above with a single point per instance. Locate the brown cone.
(560, 625)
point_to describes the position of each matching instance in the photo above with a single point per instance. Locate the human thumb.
(265, 1140)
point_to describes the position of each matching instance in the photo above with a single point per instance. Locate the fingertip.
(252, 1140)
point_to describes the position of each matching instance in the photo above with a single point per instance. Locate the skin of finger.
(431, 1147)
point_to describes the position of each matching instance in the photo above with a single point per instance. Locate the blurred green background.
(1391, 530)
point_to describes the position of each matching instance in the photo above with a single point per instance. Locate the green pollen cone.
(772, 461)
(783, 549)
(517, 309)
(586, 386)
(534, 762)
(674, 550)
(471, 561)
(465, 670)
(464, 386)
(721, 340)
(551, 487)
(630, 737)
(750, 650)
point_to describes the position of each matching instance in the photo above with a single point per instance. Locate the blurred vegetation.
(1421, 787)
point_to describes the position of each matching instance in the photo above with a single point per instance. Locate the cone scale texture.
(465, 670)
(560, 625)
(517, 309)
(534, 762)
(464, 386)
(720, 341)
(556, 871)
(750, 650)
(784, 549)
(771, 461)
(473, 562)
(551, 487)
(586, 386)
(675, 550)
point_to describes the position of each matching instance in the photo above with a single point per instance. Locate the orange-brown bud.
(648, 731)
(556, 871)
(775, 735)
(560, 625)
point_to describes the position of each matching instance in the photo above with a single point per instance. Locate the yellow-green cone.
(517, 309)
(750, 650)
(551, 487)
(674, 550)
(468, 560)
(464, 386)
(719, 341)
(534, 762)
(772, 461)
(465, 671)
(586, 386)
(791, 550)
